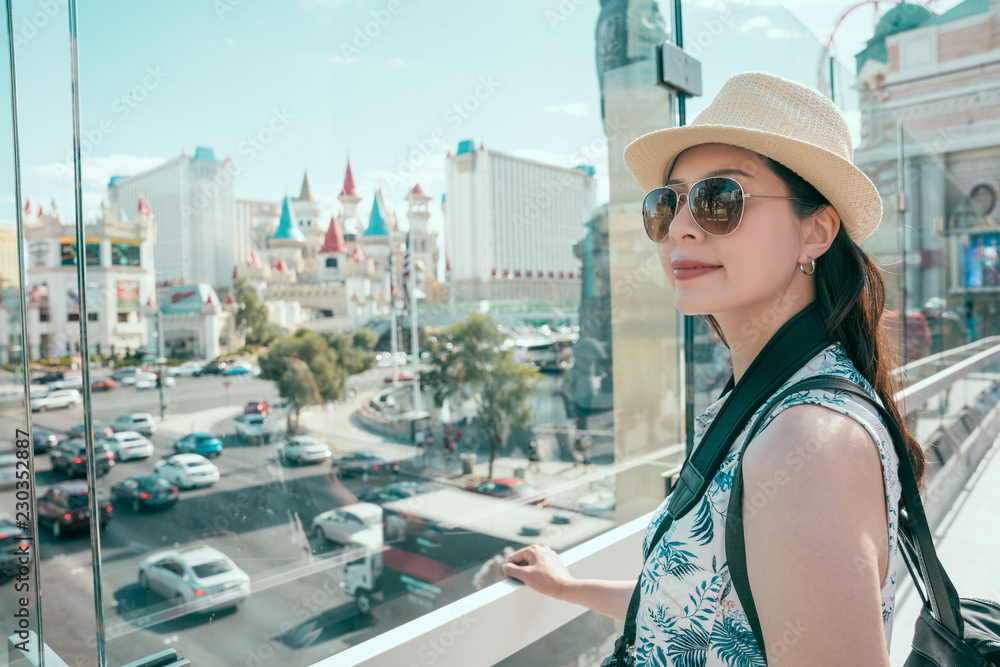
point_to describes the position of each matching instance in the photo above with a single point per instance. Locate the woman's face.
(746, 271)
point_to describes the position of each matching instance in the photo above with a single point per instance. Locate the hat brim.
(845, 186)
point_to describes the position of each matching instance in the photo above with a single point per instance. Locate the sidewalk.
(966, 543)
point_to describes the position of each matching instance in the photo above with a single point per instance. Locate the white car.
(68, 382)
(148, 381)
(253, 426)
(60, 398)
(187, 369)
(187, 470)
(128, 445)
(198, 578)
(303, 449)
(8, 470)
(140, 422)
(340, 525)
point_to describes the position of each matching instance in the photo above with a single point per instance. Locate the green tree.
(470, 361)
(251, 315)
(298, 386)
(365, 339)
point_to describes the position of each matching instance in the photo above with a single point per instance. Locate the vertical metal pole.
(81, 277)
(901, 209)
(833, 91)
(687, 352)
(161, 360)
(414, 340)
(22, 276)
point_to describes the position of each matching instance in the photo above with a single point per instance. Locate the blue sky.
(161, 77)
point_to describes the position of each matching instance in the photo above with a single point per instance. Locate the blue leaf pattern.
(689, 612)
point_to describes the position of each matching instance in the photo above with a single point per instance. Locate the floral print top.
(689, 612)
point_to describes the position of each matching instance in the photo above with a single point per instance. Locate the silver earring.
(802, 267)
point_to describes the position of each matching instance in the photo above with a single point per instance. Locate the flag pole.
(414, 342)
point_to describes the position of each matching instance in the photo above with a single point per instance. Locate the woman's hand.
(540, 568)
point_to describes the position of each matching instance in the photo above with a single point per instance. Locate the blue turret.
(288, 227)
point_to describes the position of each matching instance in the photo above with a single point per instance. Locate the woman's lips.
(688, 269)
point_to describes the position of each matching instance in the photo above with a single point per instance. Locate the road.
(296, 613)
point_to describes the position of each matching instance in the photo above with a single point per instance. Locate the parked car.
(43, 439)
(257, 407)
(198, 578)
(238, 368)
(65, 507)
(46, 378)
(126, 375)
(14, 543)
(202, 442)
(187, 369)
(101, 430)
(211, 369)
(128, 445)
(69, 458)
(68, 381)
(103, 384)
(187, 470)
(365, 462)
(402, 376)
(253, 427)
(340, 524)
(394, 491)
(303, 449)
(53, 400)
(148, 381)
(140, 422)
(510, 487)
(145, 492)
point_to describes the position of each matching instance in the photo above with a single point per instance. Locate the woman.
(757, 213)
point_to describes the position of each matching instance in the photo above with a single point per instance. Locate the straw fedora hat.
(783, 120)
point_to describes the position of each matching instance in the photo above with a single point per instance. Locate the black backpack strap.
(941, 594)
(795, 343)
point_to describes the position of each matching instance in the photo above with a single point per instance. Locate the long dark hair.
(850, 294)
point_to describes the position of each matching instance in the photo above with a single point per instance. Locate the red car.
(402, 376)
(510, 487)
(102, 384)
(257, 407)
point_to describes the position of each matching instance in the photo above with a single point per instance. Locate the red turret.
(281, 266)
(334, 240)
(417, 190)
(349, 187)
(230, 300)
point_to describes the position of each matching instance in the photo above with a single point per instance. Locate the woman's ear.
(820, 229)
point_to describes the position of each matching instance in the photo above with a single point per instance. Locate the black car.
(101, 430)
(66, 506)
(13, 545)
(145, 492)
(365, 462)
(394, 491)
(43, 439)
(70, 458)
(211, 369)
(45, 378)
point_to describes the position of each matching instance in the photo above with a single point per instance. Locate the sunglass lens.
(658, 209)
(717, 204)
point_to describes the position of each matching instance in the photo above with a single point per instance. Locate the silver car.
(303, 449)
(140, 422)
(187, 470)
(340, 525)
(198, 578)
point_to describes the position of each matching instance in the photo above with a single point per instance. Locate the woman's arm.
(541, 568)
(816, 539)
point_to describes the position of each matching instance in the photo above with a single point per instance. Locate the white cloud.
(230, 42)
(782, 33)
(99, 170)
(397, 62)
(341, 60)
(569, 109)
(756, 23)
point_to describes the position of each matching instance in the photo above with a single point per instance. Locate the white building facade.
(196, 216)
(510, 225)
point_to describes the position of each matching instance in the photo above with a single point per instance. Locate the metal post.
(81, 275)
(901, 209)
(161, 360)
(414, 341)
(23, 353)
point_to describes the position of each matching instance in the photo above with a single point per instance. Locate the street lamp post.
(161, 360)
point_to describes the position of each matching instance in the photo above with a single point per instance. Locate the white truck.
(437, 547)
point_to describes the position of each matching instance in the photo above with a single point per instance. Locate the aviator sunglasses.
(716, 204)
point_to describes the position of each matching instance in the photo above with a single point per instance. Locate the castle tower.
(288, 241)
(349, 201)
(332, 254)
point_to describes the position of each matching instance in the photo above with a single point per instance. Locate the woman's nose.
(683, 224)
